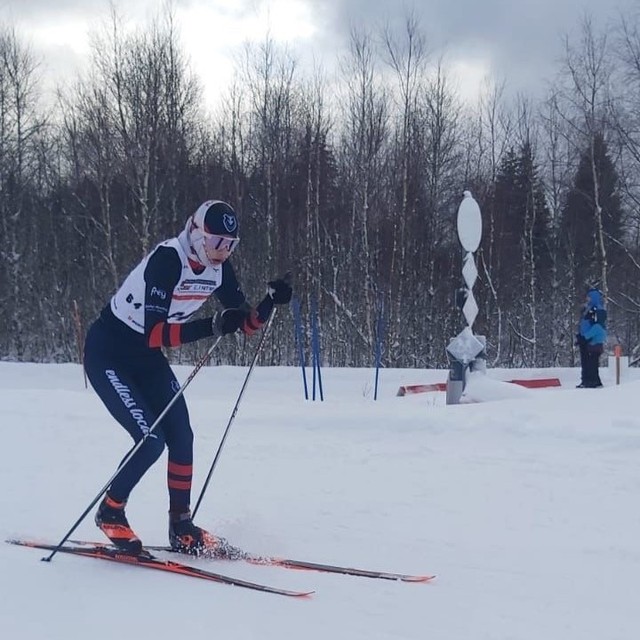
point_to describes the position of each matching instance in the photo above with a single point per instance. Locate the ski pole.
(265, 331)
(135, 448)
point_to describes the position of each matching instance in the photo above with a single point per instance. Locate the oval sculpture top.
(469, 223)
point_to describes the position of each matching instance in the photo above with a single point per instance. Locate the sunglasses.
(220, 243)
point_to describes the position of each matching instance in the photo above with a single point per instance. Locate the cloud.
(519, 42)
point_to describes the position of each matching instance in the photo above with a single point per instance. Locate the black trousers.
(589, 363)
(136, 383)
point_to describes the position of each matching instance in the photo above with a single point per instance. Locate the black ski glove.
(228, 321)
(280, 290)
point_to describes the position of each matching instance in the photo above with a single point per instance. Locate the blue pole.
(314, 354)
(379, 338)
(315, 337)
(297, 319)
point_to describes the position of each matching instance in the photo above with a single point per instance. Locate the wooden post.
(79, 338)
(617, 352)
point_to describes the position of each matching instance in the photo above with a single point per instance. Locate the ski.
(302, 565)
(146, 560)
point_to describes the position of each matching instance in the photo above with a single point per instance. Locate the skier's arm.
(161, 276)
(231, 295)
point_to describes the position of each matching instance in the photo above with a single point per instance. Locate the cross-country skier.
(125, 364)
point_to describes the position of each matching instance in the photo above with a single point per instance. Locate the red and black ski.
(145, 559)
(302, 565)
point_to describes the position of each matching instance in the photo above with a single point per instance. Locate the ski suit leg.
(178, 435)
(117, 373)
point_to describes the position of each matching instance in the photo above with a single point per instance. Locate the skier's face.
(218, 248)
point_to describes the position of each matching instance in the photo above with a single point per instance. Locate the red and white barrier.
(536, 383)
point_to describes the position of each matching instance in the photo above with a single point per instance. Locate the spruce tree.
(592, 201)
(518, 252)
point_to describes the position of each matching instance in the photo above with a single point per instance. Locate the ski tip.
(421, 579)
(22, 543)
(32, 544)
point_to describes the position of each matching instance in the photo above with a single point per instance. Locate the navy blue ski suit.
(133, 378)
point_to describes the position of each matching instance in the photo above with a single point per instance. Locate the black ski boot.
(185, 537)
(112, 521)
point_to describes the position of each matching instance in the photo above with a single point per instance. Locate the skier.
(591, 337)
(124, 362)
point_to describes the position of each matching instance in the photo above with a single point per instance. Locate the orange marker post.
(617, 352)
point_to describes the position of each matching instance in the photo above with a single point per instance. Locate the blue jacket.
(596, 334)
(593, 319)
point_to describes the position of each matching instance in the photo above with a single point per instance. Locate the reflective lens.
(220, 243)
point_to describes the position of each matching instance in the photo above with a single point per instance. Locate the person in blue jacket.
(592, 334)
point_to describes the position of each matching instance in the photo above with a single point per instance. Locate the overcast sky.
(519, 41)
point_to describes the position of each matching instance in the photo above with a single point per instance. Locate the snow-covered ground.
(526, 505)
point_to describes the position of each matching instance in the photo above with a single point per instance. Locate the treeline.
(352, 183)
